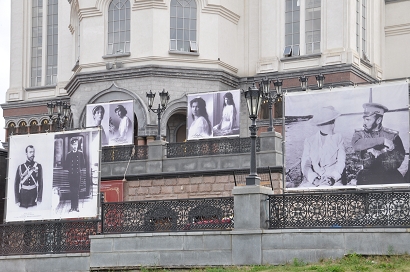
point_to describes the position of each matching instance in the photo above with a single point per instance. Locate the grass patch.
(350, 263)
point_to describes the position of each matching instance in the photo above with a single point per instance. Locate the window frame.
(45, 58)
(120, 40)
(302, 49)
(188, 43)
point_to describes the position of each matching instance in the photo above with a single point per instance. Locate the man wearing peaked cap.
(380, 149)
(74, 163)
(374, 108)
(324, 156)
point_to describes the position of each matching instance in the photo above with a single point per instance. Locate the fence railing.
(340, 209)
(46, 238)
(168, 215)
(124, 153)
(211, 147)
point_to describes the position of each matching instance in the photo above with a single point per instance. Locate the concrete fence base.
(216, 248)
(267, 247)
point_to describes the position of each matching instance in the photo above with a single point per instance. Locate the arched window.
(22, 127)
(33, 127)
(119, 27)
(54, 125)
(45, 126)
(11, 129)
(183, 26)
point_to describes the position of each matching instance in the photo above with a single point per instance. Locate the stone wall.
(268, 247)
(179, 188)
(75, 262)
(189, 187)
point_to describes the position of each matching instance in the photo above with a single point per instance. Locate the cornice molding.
(148, 4)
(179, 59)
(32, 103)
(222, 11)
(395, 30)
(331, 69)
(89, 12)
(394, 1)
(151, 71)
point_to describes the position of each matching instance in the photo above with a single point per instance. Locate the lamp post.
(271, 97)
(63, 113)
(253, 101)
(164, 98)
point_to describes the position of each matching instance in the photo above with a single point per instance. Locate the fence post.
(102, 212)
(251, 217)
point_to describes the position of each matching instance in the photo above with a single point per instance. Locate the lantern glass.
(164, 97)
(265, 86)
(278, 86)
(67, 110)
(303, 82)
(320, 80)
(59, 106)
(150, 97)
(253, 101)
(50, 109)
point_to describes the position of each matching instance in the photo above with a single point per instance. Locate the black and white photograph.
(347, 137)
(53, 176)
(30, 175)
(226, 113)
(98, 116)
(200, 116)
(116, 121)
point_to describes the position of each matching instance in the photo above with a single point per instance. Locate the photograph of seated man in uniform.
(74, 163)
(28, 186)
(381, 149)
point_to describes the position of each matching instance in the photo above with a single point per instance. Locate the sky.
(4, 58)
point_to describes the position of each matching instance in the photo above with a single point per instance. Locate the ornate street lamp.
(164, 98)
(253, 101)
(320, 79)
(303, 82)
(271, 97)
(63, 113)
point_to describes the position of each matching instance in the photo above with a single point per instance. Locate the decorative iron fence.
(124, 153)
(340, 209)
(211, 147)
(168, 215)
(46, 238)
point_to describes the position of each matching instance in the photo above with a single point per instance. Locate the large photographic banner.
(116, 120)
(347, 137)
(53, 176)
(213, 115)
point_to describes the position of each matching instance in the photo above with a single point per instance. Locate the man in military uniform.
(74, 163)
(381, 149)
(28, 185)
